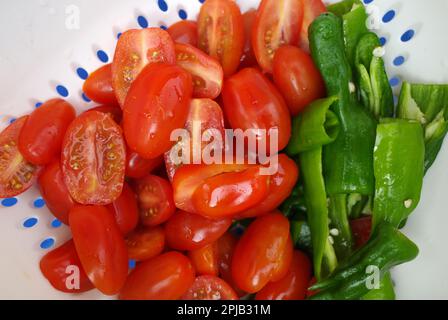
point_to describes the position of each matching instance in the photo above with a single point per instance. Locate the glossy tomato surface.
(248, 59)
(98, 86)
(210, 288)
(138, 167)
(205, 259)
(125, 210)
(145, 243)
(311, 10)
(184, 31)
(361, 228)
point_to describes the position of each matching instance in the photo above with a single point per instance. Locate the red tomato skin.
(113, 110)
(135, 50)
(185, 31)
(186, 231)
(209, 287)
(251, 101)
(166, 277)
(311, 10)
(361, 229)
(280, 187)
(205, 260)
(98, 86)
(125, 210)
(158, 103)
(54, 268)
(261, 253)
(16, 174)
(294, 285)
(41, 137)
(146, 243)
(54, 191)
(100, 247)
(248, 59)
(138, 167)
(297, 78)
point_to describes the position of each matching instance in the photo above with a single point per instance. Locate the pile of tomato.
(107, 172)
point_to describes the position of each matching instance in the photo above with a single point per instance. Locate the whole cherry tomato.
(210, 288)
(114, 111)
(138, 167)
(98, 86)
(220, 29)
(93, 159)
(311, 10)
(166, 277)
(125, 210)
(100, 247)
(41, 137)
(156, 105)
(62, 268)
(294, 285)
(205, 259)
(248, 59)
(263, 254)
(187, 231)
(184, 31)
(145, 243)
(361, 228)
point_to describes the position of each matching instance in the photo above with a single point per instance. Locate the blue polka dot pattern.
(398, 61)
(389, 16)
(39, 203)
(408, 35)
(47, 243)
(38, 104)
(383, 41)
(183, 14)
(63, 91)
(30, 222)
(368, 1)
(119, 35)
(82, 73)
(9, 202)
(102, 56)
(163, 5)
(56, 223)
(12, 120)
(163, 27)
(395, 81)
(201, 1)
(85, 97)
(142, 22)
(132, 264)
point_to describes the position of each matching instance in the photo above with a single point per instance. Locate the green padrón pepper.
(384, 292)
(343, 7)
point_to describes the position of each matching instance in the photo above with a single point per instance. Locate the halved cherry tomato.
(187, 231)
(251, 101)
(280, 187)
(136, 49)
(209, 115)
(210, 288)
(146, 243)
(248, 59)
(297, 78)
(16, 174)
(62, 268)
(184, 31)
(114, 111)
(155, 199)
(54, 191)
(166, 277)
(361, 229)
(205, 259)
(206, 72)
(138, 167)
(156, 105)
(125, 210)
(263, 253)
(294, 285)
(220, 29)
(93, 159)
(100, 247)
(311, 10)
(41, 137)
(98, 86)
(278, 22)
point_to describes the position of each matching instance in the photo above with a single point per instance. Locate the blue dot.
(47, 243)
(201, 1)
(142, 22)
(56, 223)
(183, 14)
(132, 264)
(85, 97)
(102, 56)
(389, 16)
(395, 81)
(82, 73)
(38, 104)
(368, 1)
(12, 120)
(398, 61)
(39, 203)
(62, 91)
(408, 35)
(9, 202)
(30, 222)
(163, 27)
(119, 35)
(162, 5)
(383, 41)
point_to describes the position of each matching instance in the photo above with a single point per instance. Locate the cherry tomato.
(155, 199)
(311, 10)
(93, 159)
(251, 101)
(248, 59)
(220, 29)
(16, 174)
(100, 247)
(41, 137)
(184, 31)
(206, 72)
(210, 288)
(361, 229)
(166, 277)
(280, 187)
(54, 191)
(136, 49)
(205, 259)
(114, 111)
(297, 78)
(294, 285)
(98, 86)
(156, 105)
(187, 231)
(146, 243)
(138, 167)
(125, 210)
(278, 22)
(62, 268)
(263, 254)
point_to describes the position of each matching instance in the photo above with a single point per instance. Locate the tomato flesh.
(98, 86)
(184, 32)
(210, 288)
(114, 111)
(125, 210)
(205, 259)
(311, 10)
(146, 243)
